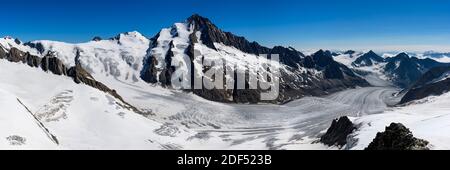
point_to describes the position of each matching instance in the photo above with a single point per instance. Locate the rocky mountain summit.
(300, 76)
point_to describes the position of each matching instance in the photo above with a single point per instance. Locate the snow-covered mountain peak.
(178, 43)
(119, 58)
(8, 42)
(133, 37)
(368, 59)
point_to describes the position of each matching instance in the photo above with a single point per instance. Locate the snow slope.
(346, 59)
(19, 129)
(80, 117)
(373, 74)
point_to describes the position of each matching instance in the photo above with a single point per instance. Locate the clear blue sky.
(303, 24)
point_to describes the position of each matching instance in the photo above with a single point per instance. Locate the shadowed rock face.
(323, 60)
(53, 64)
(2, 53)
(16, 55)
(437, 88)
(38, 46)
(210, 33)
(406, 70)
(338, 132)
(424, 87)
(397, 137)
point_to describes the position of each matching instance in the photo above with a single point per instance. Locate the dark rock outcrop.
(350, 52)
(338, 132)
(33, 61)
(2, 53)
(53, 64)
(322, 60)
(97, 38)
(397, 137)
(38, 46)
(166, 74)
(333, 71)
(17, 41)
(288, 56)
(210, 33)
(15, 55)
(437, 88)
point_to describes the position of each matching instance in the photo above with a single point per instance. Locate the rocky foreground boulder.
(397, 137)
(337, 134)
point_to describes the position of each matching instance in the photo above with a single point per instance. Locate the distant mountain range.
(131, 57)
(401, 69)
(420, 77)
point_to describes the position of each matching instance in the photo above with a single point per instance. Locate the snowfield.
(428, 119)
(81, 117)
(346, 59)
(18, 127)
(374, 74)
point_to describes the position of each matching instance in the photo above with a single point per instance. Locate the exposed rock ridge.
(50, 63)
